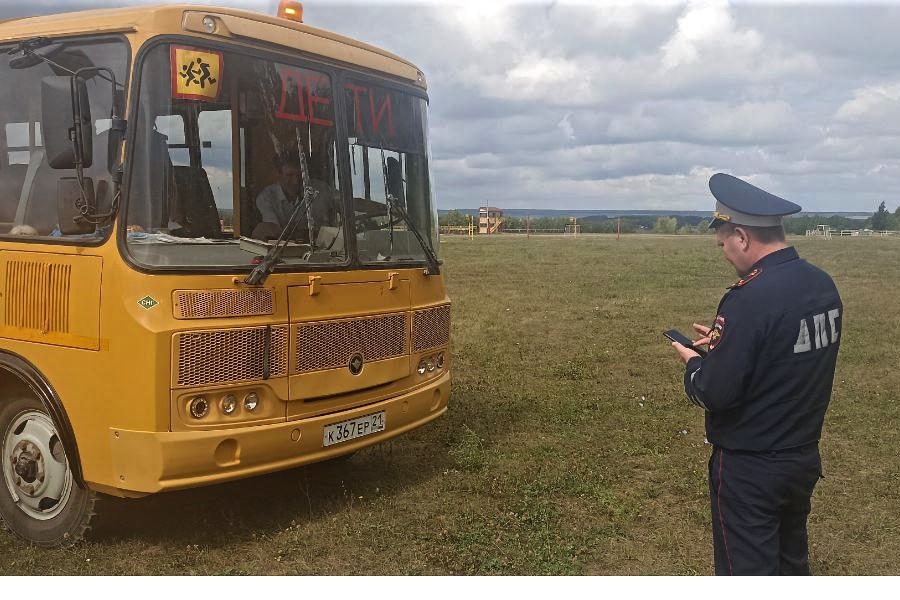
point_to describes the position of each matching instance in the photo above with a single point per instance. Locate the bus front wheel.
(40, 501)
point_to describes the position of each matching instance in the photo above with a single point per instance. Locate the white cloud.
(536, 76)
(875, 104)
(706, 24)
(565, 125)
(713, 122)
(484, 24)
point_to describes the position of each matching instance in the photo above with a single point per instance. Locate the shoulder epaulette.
(746, 279)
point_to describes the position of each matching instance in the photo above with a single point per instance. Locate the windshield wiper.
(261, 271)
(434, 267)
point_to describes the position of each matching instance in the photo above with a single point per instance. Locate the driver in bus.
(276, 203)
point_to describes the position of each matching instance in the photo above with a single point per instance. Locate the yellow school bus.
(218, 255)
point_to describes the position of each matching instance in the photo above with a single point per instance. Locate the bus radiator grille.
(229, 355)
(331, 344)
(431, 328)
(207, 304)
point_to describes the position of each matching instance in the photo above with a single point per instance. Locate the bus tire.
(40, 499)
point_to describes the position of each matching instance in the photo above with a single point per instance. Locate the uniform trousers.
(760, 505)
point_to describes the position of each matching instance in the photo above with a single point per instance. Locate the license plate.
(351, 429)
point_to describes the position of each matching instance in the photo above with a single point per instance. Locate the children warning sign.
(196, 73)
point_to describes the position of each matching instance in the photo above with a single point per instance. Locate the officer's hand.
(704, 333)
(684, 353)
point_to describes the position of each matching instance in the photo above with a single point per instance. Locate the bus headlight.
(439, 361)
(229, 404)
(421, 368)
(251, 401)
(199, 407)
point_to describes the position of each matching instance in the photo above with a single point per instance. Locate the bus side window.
(19, 143)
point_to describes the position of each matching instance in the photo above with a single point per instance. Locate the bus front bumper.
(146, 462)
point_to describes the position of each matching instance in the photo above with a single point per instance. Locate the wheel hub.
(35, 467)
(28, 465)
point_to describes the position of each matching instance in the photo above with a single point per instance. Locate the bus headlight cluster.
(228, 404)
(429, 364)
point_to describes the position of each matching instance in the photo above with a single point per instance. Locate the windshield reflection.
(216, 165)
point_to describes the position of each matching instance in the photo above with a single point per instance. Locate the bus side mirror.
(66, 124)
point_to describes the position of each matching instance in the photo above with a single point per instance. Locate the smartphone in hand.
(677, 336)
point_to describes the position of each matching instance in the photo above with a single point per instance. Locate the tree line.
(592, 224)
(881, 220)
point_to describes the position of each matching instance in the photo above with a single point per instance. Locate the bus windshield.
(223, 142)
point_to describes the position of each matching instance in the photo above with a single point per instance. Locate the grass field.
(568, 447)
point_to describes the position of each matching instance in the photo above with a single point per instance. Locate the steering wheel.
(370, 210)
(366, 223)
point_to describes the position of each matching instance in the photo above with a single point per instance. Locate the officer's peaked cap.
(741, 203)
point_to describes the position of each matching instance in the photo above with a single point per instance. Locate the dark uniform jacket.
(766, 381)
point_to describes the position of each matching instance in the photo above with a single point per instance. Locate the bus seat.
(197, 205)
(151, 199)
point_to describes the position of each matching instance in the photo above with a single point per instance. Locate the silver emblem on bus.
(356, 364)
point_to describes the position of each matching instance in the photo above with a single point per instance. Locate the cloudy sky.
(634, 105)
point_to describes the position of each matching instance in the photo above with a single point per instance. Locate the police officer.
(765, 385)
